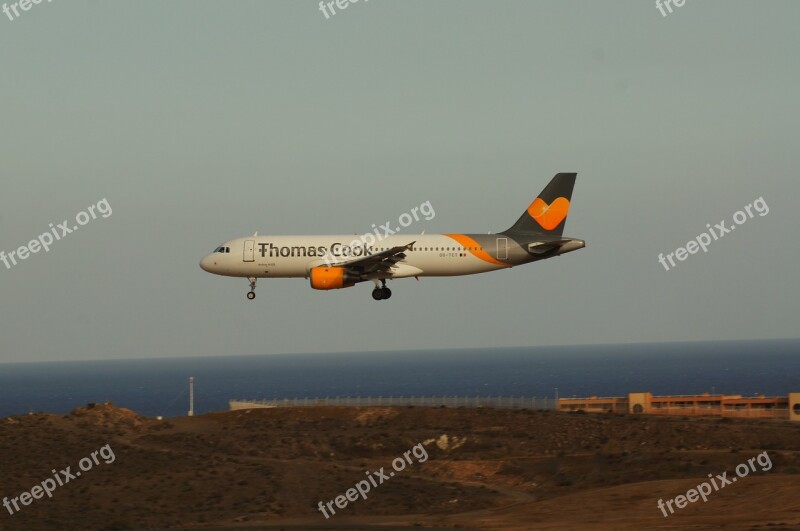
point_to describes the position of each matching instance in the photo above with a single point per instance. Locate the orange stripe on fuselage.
(468, 243)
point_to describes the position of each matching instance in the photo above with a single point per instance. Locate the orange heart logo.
(549, 216)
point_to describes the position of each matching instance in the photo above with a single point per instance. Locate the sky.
(197, 122)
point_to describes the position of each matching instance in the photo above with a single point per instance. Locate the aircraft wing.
(382, 261)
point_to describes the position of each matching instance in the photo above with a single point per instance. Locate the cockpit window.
(219, 249)
(227, 249)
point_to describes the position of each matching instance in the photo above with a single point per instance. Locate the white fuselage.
(294, 256)
(342, 261)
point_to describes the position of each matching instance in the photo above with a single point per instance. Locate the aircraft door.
(502, 248)
(249, 250)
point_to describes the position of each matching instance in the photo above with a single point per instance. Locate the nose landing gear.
(252, 293)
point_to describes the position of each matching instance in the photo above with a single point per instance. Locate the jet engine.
(332, 278)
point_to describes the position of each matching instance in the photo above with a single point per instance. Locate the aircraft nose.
(207, 263)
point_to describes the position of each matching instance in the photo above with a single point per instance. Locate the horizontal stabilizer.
(562, 246)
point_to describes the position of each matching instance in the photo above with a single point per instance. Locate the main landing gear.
(381, 293)
(252, 293)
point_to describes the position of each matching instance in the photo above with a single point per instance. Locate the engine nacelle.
(331, 278)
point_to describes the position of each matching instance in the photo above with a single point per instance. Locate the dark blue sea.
(160, 386)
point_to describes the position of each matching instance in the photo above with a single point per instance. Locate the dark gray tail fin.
(548, 212)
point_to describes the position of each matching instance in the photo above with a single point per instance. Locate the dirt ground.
(485, 469)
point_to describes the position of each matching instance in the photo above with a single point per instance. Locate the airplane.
(335, 262)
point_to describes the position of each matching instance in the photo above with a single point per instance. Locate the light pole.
(191, 396)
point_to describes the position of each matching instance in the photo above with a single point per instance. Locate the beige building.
(774, 407)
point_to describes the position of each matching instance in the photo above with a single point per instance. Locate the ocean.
(160, 386)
